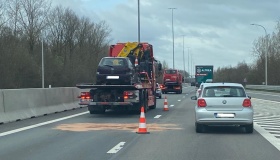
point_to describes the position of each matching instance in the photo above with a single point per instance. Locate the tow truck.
(130, 97)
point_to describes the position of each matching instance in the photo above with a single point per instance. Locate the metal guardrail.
(270, 88)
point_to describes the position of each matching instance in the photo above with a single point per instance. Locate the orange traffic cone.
(136, 62)
(165, 105)
(142, 123)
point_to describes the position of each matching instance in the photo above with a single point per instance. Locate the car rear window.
(112, 62)
(223, 91)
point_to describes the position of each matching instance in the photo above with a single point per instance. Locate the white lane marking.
(116, 148)
(171, 105)
(40, 124)
(157, 116)
(270, 137)
(179, 100)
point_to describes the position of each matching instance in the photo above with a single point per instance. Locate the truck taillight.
(85, 95)
(247, 103)
(201, 103)
(126, 94)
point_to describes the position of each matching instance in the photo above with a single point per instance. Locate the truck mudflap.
(110, 104)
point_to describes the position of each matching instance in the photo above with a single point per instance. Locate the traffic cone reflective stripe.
(165, 104)
(136, 62)
(142, 123)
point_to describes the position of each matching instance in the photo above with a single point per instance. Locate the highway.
(76, 134)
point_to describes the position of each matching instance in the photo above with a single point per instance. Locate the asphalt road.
(76, 134)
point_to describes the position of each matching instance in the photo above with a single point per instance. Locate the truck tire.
(146, 107)
(144, 101)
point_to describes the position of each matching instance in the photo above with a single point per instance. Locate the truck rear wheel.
(144, 101)
(146, 107)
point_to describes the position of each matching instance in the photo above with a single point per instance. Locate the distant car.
(192, 83)
(158, 91)
(223, 104)
(116, 70)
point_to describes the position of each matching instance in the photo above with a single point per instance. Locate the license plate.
(112, 77)
(224, 115)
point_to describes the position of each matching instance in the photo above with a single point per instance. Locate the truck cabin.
(171, 76)
(169, 71)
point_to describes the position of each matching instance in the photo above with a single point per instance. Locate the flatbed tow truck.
(130, 97)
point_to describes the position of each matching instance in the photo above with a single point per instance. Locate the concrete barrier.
(17, 104)
(2, 109)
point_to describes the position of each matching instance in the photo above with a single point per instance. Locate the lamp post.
(266, 49)
(172, 34)
(184, 55)
(191, 67)
(43, 69)
(189, 60)
(138, 21)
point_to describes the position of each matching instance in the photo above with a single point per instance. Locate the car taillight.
(85, 95)
(247, 103)
(201, 103)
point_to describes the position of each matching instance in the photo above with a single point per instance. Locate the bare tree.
(3, 18)
(13, 14)
(33, 19)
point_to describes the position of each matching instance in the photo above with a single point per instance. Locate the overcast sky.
(217, 32)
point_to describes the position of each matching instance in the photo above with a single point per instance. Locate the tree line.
(72, 45)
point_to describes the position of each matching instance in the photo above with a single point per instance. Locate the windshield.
(171, 71)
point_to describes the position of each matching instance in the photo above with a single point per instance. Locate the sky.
(214, 32)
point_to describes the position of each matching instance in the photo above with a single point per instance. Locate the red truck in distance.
(172, 81)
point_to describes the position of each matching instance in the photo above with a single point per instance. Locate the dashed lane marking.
(117, 148)
(157, 116)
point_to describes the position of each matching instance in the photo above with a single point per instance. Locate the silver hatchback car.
(223, 104)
